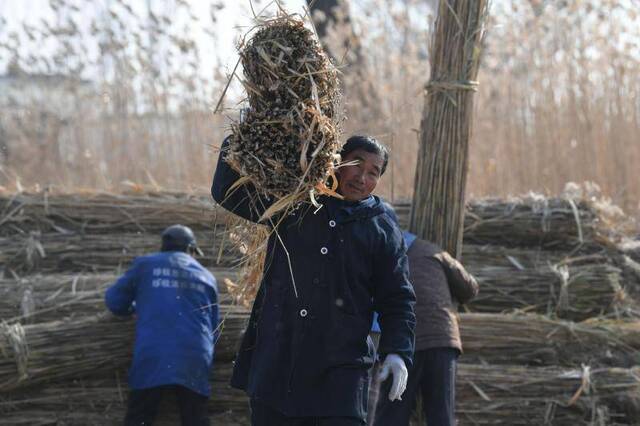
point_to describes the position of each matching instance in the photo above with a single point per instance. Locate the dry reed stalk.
(250, 240)
(441, 173)
(527, 339)
(32, 354)
(287, 144)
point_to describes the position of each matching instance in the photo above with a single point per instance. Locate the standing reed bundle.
(287, 144)
(441, 171)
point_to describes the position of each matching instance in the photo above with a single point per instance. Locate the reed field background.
(124, 97)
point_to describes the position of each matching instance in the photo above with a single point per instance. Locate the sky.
(234, 19)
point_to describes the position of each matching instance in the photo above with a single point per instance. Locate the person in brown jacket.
(440, 283)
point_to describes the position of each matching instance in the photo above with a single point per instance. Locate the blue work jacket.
(175, 301)
(306, 350)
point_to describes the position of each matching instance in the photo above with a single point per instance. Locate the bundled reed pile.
(287, 144)
(486, 395)
(36, 353)
(75, 249)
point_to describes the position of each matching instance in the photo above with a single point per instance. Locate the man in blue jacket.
(305, 355)
(175, 301)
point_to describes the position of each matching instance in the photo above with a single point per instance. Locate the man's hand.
(394, 365)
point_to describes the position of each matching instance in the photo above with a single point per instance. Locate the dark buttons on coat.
(303, 313)
(332, 223)
(316, 280)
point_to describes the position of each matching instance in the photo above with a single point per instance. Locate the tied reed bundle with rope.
(287, 144)
(441, 172)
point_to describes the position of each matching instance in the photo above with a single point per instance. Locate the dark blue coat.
(176, 304)
(306, 350)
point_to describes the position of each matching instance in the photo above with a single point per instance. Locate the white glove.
(395, 365)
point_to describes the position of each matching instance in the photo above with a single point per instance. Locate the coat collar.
(348, 211)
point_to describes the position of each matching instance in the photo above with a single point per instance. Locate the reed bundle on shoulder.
(287, 144)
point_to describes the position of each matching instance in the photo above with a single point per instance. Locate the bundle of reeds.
(36, 353)
(287, 144)
(551, 223)
(538, 221)
(55, 252)
(52, 297)
(437, 214)
(99, 213)
(575, 292)
(518, 395)
(527, 339)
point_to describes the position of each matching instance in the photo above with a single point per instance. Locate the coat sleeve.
(120, 297)
(243, 200)
(393, 296)
(462, 284)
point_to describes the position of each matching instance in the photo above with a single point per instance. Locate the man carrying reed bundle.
(175, 300)
(305, 355)
(440, 283)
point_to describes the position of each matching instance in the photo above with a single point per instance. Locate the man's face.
(357, 182)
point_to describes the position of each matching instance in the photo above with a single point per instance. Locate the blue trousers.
(144, 403)
(433, 374)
